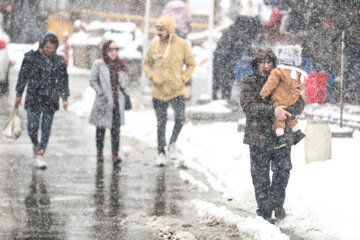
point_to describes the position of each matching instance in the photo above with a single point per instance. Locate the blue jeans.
(33, 124)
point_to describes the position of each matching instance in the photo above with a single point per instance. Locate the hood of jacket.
(167, 22)
(260, 55)
(49, 36)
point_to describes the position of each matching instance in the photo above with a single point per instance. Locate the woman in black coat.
(44, 73)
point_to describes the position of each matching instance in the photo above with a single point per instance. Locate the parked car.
(4, 61)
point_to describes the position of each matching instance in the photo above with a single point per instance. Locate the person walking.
(181, 14)
(109, 80)
(163, 65)
(45, 75)
(261, 137)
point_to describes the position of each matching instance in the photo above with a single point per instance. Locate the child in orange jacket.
(284, 85)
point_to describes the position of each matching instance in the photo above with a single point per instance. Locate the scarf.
(165, 54)
(115, 67)
(293, 74)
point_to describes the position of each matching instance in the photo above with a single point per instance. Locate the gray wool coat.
(102, 110)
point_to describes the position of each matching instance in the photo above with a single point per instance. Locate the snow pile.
(320, 200)
(73, 70)
(126, 36)
(251, 227)
(119, 26)
(198, 185)
(130, 52)
(120, 38)
(79, 38)
(17, 51)
(183, 236)
(212, 107)
(166, 227)
(168, 233)
(307, 228)
(83, 39)
(144, 124)
(351, 114)
(83, 108)
(94, 26)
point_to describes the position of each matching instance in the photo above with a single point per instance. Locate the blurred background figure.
(4, 60)
(352, 53)
(236, 41)
(180, 12)
(273, 24)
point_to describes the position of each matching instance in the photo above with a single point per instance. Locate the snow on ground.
(213, 107)
(17, 51)
(322, 197)
(351, 113)
(250, 227)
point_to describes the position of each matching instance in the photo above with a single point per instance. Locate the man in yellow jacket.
(164, 66)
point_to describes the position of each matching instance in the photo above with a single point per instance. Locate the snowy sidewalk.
(321, 198)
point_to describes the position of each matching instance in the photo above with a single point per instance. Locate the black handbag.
(128, 105)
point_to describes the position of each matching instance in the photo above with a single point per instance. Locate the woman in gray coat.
(109, 80)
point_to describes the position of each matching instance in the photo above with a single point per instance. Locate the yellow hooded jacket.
(164, 63)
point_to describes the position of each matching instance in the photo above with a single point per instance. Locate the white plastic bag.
(13, 127)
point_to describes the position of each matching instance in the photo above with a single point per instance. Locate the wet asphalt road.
(79, 198)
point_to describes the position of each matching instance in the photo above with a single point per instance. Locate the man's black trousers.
(161, 107)
(270, 194)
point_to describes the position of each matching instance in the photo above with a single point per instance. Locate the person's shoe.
(280, 213)
(263, 213)
(116, 159)
(179, 163)
(39, 162)
(298, 136)
(161, 160)
(266, 215)
(173, 154)
(281, 142)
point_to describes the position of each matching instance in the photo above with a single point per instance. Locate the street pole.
(146, 40)
(211, 27)
(342, 79)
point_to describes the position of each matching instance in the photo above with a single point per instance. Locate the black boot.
(281, 142)
(116, 159)
(266, 214)
(298, 136)
(280, 213)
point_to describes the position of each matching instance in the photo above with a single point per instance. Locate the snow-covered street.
(321, 200)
